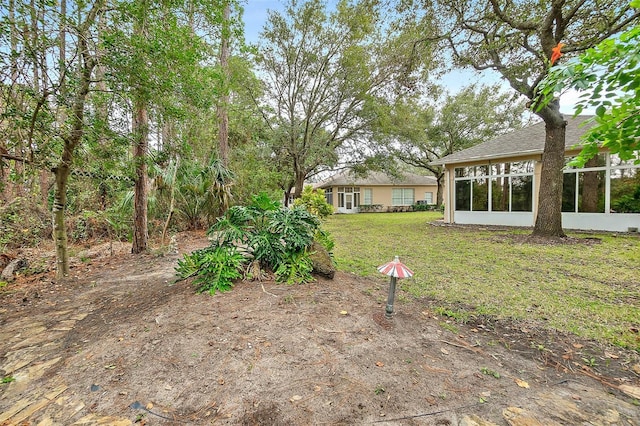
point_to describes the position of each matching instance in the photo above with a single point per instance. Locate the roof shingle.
(526, 141)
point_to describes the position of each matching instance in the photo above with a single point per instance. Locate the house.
(378, 192)
(497, 183)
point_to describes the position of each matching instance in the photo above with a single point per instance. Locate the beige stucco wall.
(383, 194)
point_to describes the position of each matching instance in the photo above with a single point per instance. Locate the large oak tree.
(516, 39)
(321, 70)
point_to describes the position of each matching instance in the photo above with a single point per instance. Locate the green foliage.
(295, 268)
(23, 223)
(8, 379)
(202, 193)
(608, 75)
(315, 202)
(215, 268)
(278, 238)
(628, 203)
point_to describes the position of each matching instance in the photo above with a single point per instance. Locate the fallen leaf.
(444, 351)
(578, 346)
(522, 383)
(295, 398)
(612, 356)
(380, 364)
(344, 312)
(636, 368)
(149, 406)
(110, 367)
(167, 387)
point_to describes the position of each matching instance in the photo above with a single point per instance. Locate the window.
(480, 195)
(368, 196)
(328, 195)
(348, 197)
(463, 195)
(495, 187)
(521, 193)
(402, 196)
(428, 197)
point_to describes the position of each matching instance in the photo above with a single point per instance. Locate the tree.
(609, 77)
(321, 71)
(516, 39)
(418, 133)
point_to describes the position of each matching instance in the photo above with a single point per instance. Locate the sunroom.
(497, 183)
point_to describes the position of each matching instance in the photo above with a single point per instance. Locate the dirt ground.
(119, 343)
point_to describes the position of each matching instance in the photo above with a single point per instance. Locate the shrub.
(314, 201)
(277, 238)
(215, 268)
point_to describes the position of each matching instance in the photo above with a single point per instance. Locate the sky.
(256, 13)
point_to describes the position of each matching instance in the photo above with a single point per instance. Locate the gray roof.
(526, 141)
(345, 178)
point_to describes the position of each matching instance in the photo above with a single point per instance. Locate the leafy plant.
(314, 202)
(490, 372)
(295, 269)
(215, 267)
(8, 379)
(276, 238)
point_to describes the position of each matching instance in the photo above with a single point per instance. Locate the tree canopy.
(517, 40)
(321, 71)
(608, 77)
(418, 132)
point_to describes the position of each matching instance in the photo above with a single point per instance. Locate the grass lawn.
(589, 288)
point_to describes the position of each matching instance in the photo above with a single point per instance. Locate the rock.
(322, 262)
(16, 265)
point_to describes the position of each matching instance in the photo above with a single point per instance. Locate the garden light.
(395, 269)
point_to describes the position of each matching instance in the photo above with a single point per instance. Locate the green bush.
(23, 223)
(314, 201)
(215, 268)
(277, 238)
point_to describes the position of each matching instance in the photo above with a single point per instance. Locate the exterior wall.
(382, 195)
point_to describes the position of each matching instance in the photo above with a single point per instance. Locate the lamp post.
(395, 269)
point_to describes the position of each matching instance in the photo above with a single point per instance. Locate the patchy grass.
(590, 286)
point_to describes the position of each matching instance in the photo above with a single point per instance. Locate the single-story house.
(497, 183)
(377, 191)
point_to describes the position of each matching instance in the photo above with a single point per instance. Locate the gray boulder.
(322, 262)
(16, 265)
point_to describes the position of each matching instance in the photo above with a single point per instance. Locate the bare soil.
(120, 343)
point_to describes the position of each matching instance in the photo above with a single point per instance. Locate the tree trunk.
(140, 127)
(141, 192)
(299, 184)
(549, 219)
(222, 112)
(440, 191)
(61, 174)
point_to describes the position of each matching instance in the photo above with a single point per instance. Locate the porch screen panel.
(480, 195)
(521, 193)
(591, 195)
(328, 195)
(569, 192)
(625, 190)
(500, 194)
(463, 195)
